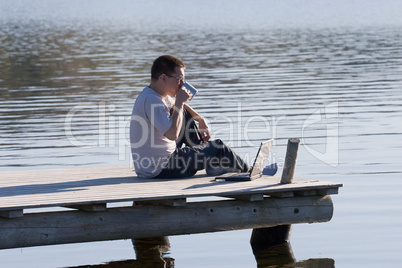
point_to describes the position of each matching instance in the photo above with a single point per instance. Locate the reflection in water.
(281, 255)
(271, 248)
(150, 252)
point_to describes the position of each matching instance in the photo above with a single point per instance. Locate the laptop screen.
(262, 157)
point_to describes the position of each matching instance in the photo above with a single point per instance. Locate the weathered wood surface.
(142, 221)
(290, 160)
(68, 187)
(160, 206)
(100, 185)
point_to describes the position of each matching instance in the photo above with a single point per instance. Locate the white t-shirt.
(150, 120)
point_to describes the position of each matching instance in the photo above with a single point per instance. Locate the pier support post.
(263, 238)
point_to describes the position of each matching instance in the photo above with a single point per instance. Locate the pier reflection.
(150, 252)
(281, 255)
(153, 253)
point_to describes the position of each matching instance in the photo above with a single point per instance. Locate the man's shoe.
(270, 170)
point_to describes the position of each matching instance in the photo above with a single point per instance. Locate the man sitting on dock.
(160, 125)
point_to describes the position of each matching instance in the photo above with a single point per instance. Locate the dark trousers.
(197, 154)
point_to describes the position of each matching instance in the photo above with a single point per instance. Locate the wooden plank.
(90, 207)
(248, 197)
(177, 202)
(78, 186)
(36, 229)
(12, 213)
(282, 194)
(328, 191)
(306, 193)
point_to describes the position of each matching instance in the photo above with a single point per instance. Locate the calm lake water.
(328, 73)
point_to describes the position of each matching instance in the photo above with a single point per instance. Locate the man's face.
(174, 81)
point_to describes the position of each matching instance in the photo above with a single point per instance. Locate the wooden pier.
(161, 207)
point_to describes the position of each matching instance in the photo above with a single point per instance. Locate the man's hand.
(204, 129)
(182, 96)
(202, 123)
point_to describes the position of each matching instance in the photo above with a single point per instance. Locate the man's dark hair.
(165, 64)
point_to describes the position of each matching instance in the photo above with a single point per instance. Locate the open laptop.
(256, 169)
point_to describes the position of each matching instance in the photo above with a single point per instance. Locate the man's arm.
(202, 124)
